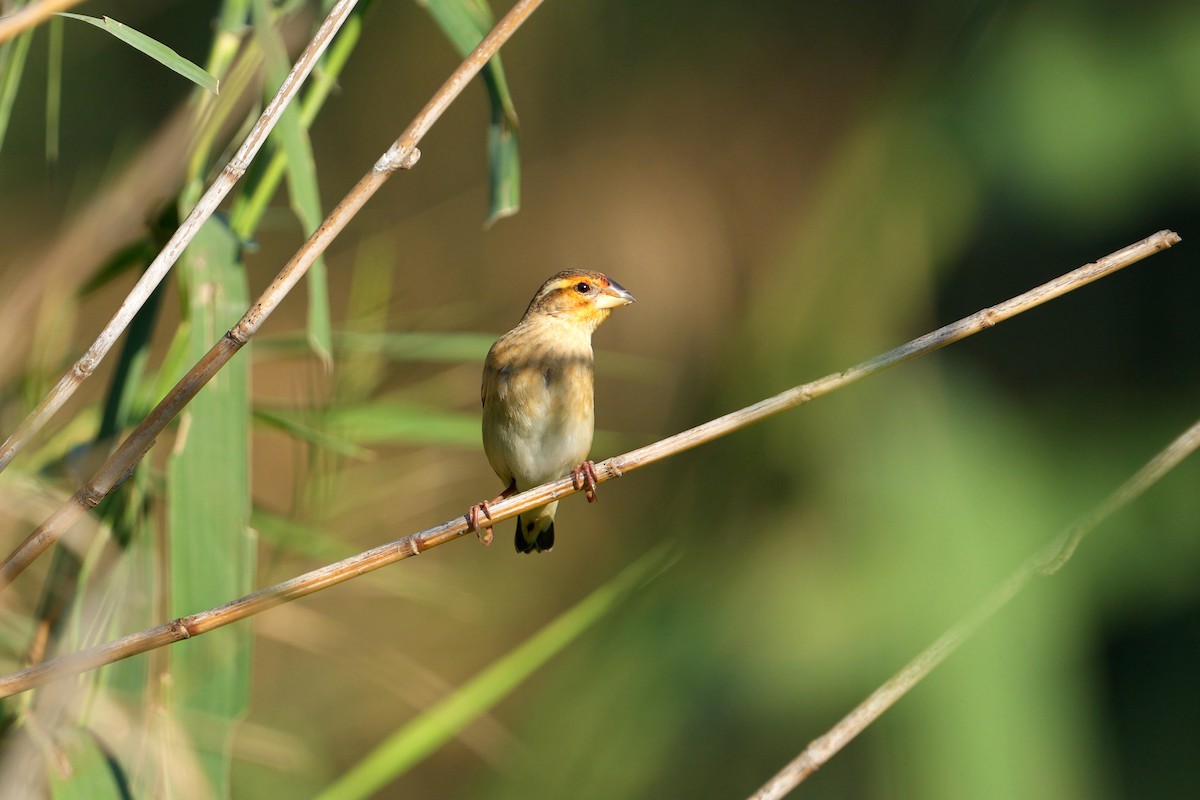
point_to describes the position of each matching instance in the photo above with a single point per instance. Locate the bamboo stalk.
(414, 544)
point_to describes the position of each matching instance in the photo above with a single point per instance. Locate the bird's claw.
(584, 477)
(484, 532)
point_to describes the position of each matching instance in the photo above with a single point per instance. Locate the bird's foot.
(584, 477)
(484, 532)
(484, 509)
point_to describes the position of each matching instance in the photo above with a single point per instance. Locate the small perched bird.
(537, 398)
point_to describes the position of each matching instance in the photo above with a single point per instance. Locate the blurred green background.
(788, 188)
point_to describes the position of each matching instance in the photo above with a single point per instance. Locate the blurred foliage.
(788, 189)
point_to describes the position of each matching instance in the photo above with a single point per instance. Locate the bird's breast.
(538, 412)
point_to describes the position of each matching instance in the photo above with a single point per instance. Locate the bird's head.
(579, 297)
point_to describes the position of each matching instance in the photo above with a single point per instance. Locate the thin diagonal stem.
(401, 155)
(1045, 562)
(414, 544)
(152, 277)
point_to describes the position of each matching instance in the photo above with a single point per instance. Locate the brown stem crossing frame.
(414, 544)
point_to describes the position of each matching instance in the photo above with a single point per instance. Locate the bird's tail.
(535, 529)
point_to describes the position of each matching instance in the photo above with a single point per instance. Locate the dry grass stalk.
(414, 544)
(32, 15)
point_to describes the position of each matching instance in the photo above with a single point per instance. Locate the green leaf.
(420, 346)
(249, 206)
(404, 423)
(465, 23)
(299, 539)
(211, 549)
(370, 294)
(504, 168)
(137, 253)
(155, 49)
(54, 61)
(293, 424)
(383, 422)
(12, 64)
(237, 64)
(290, 137)
(432, 729)
(92, 774)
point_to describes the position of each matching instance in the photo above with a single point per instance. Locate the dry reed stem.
(401, 155)
(414, 544)
(1045, 562)
(205, 206)
(21, 20)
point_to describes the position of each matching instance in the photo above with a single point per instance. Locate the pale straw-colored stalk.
(30, 16)
(414, 544)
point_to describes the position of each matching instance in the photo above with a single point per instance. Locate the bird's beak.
(614, 295)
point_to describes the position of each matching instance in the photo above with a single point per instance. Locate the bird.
(537, 394)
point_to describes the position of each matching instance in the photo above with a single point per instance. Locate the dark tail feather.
(540, 544)
(523, 545)
(545, 540)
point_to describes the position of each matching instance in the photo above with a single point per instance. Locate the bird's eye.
(583, 287)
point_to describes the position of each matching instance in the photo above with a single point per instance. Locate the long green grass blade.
(432, 729)
(211, 550)
(228, 28)
(249, 207)
(290, 137)
(213, 114)
(391, 422)
(54, 59)
(451, 347)
(12, 65)
(465, 23)
(504, 167)
(153, 48)
(345, 428)
(371, 290)
(294, 424)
